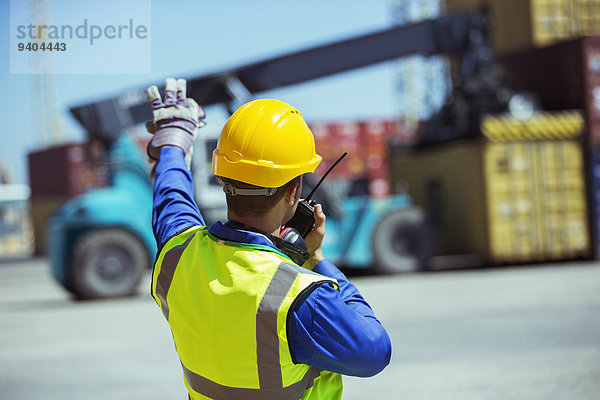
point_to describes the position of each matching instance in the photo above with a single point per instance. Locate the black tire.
(402, 241)
(107, 263)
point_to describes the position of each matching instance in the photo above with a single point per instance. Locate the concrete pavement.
(514, 333)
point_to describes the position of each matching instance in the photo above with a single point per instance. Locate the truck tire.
(402, 241)
(107, 263)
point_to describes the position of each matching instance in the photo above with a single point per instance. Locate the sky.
(189, 38)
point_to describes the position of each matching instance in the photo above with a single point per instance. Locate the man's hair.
(256, 205)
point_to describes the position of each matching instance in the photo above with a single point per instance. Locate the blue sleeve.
(174, 209)
(337, 330)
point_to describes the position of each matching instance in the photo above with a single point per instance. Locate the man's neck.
(268, 225)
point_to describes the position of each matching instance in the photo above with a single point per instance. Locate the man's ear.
(292, 194)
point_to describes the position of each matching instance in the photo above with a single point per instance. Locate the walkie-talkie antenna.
(326, 173)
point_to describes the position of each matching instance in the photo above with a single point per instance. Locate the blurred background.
(467, 210)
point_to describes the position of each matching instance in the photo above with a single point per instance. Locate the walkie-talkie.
(303, 220)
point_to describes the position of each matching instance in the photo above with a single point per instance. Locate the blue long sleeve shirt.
(328, 329)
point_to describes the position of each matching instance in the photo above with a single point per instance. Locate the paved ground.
(519, 333)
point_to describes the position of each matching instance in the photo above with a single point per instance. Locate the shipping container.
(16, 236)
(57, 174)
(42, 209)
(522, 24)
(594, 197)
(573, 81)
(65, 170)
(331, 140)
(447, 181)
(365, 171)
(515, 196)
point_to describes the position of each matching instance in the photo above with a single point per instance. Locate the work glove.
(176, 121)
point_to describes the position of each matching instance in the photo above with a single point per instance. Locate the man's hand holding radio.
(314, 239)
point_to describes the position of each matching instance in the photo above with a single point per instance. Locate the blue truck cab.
(101, 242)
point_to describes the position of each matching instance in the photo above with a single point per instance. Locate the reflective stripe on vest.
(268, 364)
(163, 283)
(214, 390)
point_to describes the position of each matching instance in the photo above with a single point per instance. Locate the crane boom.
(445, 35)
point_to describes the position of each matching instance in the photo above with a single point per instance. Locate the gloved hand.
(176, 121)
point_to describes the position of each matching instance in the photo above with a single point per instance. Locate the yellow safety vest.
(227, 304)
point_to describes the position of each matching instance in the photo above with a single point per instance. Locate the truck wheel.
(402, 241)
(107, 263)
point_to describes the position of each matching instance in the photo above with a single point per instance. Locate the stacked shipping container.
(572, 81)
(367, 145)
(55, 175)
(521, 24)
(516, 196)
(519, 193)
(575, 77)
(535, 188)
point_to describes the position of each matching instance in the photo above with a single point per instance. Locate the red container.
(63, 171)
(331, 140)
(564, 76)
(322, 138)
(378, 173)
(376, 132)
(367, 145)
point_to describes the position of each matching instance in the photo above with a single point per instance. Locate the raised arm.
(175, 124)
(174, 209)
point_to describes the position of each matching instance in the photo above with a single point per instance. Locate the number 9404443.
(49, 46)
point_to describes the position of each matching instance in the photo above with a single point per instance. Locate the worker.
(247, 320)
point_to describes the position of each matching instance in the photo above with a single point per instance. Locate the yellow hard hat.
(265, 143)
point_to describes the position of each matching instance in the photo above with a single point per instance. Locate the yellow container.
(41, 211)
(543, 215)
(541, 182)
(519, 24)
(508, 200)
(512, 212)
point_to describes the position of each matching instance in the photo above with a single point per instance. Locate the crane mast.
(421, 83)
(49, 127)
